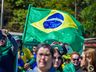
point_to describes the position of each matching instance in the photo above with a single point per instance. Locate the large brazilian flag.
(45, 24)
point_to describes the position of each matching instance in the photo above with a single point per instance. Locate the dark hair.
(44, 45)
(2, 36)
(64, 48)
(57, 51)
(61, 47)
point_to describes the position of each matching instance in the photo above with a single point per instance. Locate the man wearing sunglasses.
(74, 65)
(8, 50)
(76, 60)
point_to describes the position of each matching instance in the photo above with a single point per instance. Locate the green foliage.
(17, 22)
(88, 16)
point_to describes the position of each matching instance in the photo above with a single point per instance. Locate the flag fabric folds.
(46, 24)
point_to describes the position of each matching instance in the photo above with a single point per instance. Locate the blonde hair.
(91, 52)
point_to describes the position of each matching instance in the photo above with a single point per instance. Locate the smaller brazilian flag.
(45, 24)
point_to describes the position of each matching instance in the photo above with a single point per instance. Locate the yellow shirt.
(27, 55)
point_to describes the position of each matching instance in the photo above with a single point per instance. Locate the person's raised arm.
(14, 47)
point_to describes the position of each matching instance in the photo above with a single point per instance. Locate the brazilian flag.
(46, 24)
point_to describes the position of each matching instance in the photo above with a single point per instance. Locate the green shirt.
(69, 68)
(4, 50)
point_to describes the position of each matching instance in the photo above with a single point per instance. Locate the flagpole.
(1, 14)
(75, 8)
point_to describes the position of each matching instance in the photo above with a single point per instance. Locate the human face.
(2, 42)
(44, 59)
(56, 60)
(34, 49)
(75, 59)
(83, 60)
(88, 57)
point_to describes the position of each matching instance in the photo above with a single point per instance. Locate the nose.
(43, 57)
(57, 59)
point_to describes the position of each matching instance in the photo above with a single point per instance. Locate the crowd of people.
(44, 57)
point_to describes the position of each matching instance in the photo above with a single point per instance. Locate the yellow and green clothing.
(69, 68)
(27, 55)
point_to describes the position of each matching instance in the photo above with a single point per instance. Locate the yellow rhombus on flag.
(45, 24)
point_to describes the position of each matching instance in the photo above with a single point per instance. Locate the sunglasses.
(74, 59)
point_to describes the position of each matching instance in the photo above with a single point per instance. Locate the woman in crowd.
(57, 60)
(59, 51)
(44, 59)
(89, 60)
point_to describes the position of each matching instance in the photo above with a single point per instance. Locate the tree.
(88, 18)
